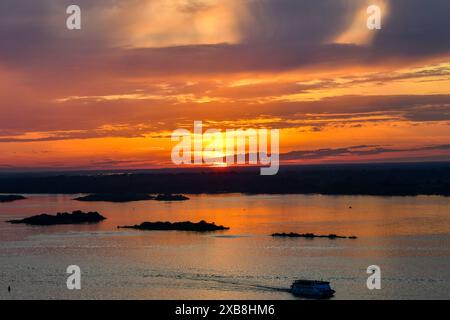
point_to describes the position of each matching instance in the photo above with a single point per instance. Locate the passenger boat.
(312, 289)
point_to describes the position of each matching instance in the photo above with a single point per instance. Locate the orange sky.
(109, 96)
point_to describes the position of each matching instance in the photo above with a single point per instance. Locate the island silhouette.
(76, 217)
(201, 226)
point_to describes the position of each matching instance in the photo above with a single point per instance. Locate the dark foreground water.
(408, 237)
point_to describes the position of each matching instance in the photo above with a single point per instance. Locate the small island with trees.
(310, 236)
(76, 217)
(130, 197)
(201, 226)
(171, 197)
(116, 197)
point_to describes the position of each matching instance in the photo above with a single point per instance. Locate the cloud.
(96, 119)
(274, 35)
(415, 28)
(361, 150)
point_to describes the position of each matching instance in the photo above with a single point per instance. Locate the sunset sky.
(108, 96)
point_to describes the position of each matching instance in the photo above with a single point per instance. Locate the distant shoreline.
(374, 180)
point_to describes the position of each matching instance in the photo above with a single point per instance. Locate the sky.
(109, 96)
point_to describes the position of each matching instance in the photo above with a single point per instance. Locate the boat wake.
(226, 283)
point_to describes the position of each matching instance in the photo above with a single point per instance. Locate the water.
(408, 237)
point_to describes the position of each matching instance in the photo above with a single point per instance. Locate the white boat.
(312, 289)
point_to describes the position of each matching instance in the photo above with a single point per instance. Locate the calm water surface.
(408, 237)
